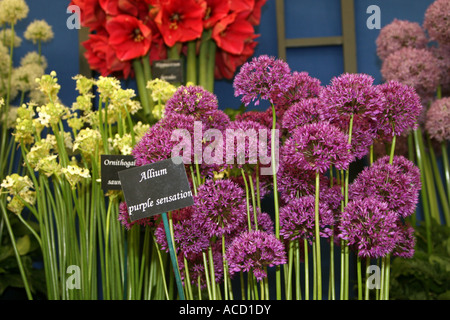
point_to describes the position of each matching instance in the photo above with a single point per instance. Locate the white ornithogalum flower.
(123, 143)
(12, 11)
(107, 86)
(48, 84)
(16, 184)
(86, 141)
(48, 165)
(74, 174)
(39, 30)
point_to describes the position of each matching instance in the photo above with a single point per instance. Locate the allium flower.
(192, 100)
(297, 219)
(24, 76)
(442, 54)
(302, 86)
(124, 218)
(39, 31)
(370, 226)
(245, 143)
(401, 109)
(437, 121)
(396, 184)
(317, 146)
(264, 78)
(399, 34)
(196, 266)
(254, 251)
(417, 68)
(33, 57)
(405, 240)
(437, 21)
(12, 11)
(220, 206)
(306, 111)
(9, 37)
(352, 93)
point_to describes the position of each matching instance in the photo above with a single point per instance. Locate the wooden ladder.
(347, 40)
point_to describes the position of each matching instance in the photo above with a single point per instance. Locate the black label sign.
(156, 188)
(170, 70)
(110, 166)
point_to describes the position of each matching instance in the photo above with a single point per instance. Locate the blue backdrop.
(303, 18)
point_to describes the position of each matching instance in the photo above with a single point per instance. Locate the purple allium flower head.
(417, 68)
(220, 207)
(352, 93)
(260, 117)
(401, 109)
(303, 112)
(437, 121)
(196, 266)
(155, 145)
(192, 100)
(264, 78)
(294, 181)
(437, 21)
(254, 251)
(178, 216)
(405, 240)
(302, 86)
(369, 225)
(246, 143)
(297, 219)
(397, 184)
(317, 146)
(124, 218)
(399, 34)
(442, 54)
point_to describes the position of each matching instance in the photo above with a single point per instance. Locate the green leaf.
(23, 245)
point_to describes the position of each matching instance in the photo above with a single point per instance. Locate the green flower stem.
(438, 182)
(247, 196)
(446, 165)
(252, 191)
(430, 185)
(366, 292)
(163, 276)
(191, 64)
(423, 191)
(190, 295)
(275, 196)
(317, 238)
(288, 280)
(173, 256)
(16, 251)
(359, 276)
(208, 283)
(212, 273)
(306, 269)
(142, 86)
(298, 291)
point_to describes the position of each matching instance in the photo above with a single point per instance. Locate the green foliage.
(427, 275)
(29, 251)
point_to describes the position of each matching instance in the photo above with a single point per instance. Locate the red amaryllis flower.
(227, 63)
(129, 37)
(215, 10)
(255, 16)
(232, 32)
(102, 58)
(137, 8)
(179, 20)
(92, 15)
